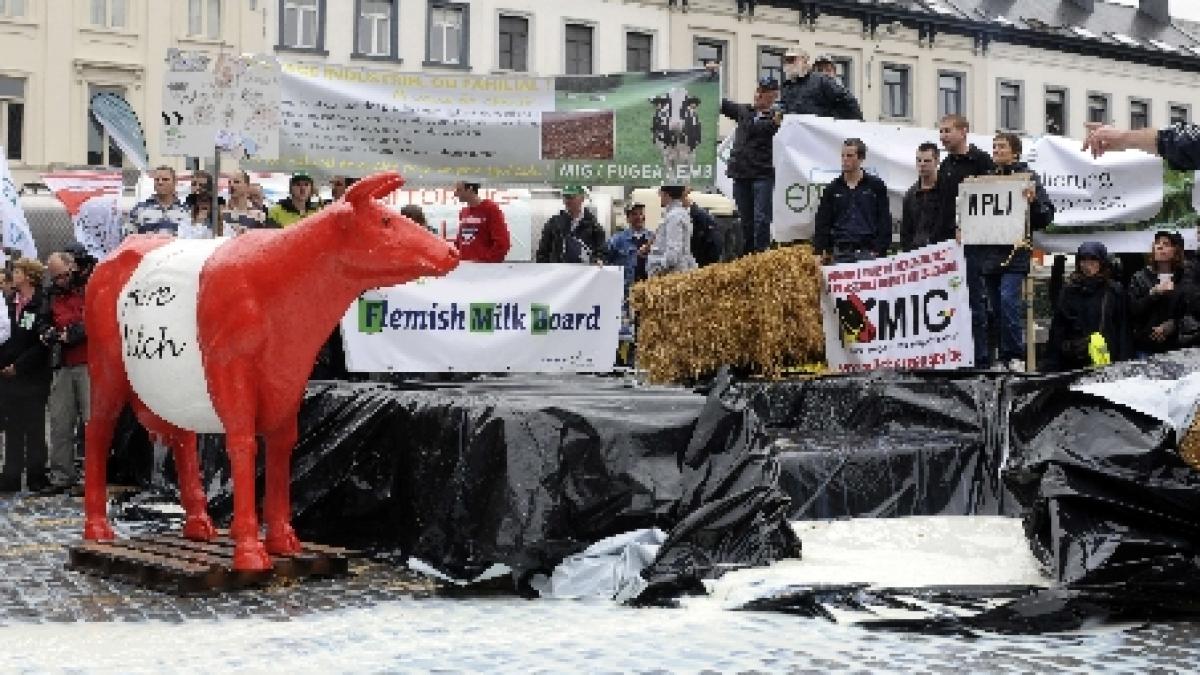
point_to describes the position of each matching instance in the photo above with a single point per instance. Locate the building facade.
(1031, 66)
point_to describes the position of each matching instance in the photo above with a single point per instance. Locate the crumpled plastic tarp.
(610, 568)
(526, 470)
(889, 444)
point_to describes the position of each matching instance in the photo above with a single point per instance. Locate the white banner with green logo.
(489, 318)
(1121, 187)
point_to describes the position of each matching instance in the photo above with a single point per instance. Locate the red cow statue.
(232, 345)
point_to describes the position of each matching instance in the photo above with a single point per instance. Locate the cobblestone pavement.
(383, 619)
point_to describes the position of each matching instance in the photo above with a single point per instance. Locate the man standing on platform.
(482, 231)
(750, 162)
(853, 220)
(919, 220)
(807, 92)
(963, 161)
(629, 247)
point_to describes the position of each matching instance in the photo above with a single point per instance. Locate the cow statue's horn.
(376, 186)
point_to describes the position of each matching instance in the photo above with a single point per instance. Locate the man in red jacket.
(482, 231)
(69, 395)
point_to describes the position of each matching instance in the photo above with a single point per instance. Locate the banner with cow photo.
(490, 318)
(634, 129)
(905, 311)
(1121, 188)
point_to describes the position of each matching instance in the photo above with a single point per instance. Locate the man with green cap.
(298, 205)
(572, 235)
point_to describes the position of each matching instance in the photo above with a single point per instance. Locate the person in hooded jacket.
(1090, 324)
(1156, 294)
(572, 235)
(997, 272)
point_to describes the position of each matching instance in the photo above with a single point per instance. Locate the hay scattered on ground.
(761, 311)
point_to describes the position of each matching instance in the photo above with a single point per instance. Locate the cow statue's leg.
(197, 525)
(277, 503)
(234, 401)
(108, 397)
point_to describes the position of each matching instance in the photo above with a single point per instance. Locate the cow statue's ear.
(375, 186)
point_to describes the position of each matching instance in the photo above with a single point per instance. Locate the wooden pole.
(214, 208)
(1027, 292)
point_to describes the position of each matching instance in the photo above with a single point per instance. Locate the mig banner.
(489, 318)
(905, 311)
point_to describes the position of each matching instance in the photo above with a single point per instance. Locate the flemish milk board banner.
(623, 129)
(906, 311)
(489, 318)
(1121, 187)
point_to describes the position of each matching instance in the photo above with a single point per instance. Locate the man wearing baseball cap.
(629, 247)
(297, 205)
(751, 162)
(572, 235)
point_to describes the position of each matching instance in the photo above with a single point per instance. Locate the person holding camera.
(25, 381)
(69, 390)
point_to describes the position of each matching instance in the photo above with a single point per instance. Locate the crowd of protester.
(1096, 319)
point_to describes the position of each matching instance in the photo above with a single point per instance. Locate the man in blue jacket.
(854, 220)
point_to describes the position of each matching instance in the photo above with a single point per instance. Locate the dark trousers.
(24, 421)
(754, 205)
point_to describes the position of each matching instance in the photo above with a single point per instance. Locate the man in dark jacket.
(572, 235)
(962, 161)
(853, 219)
(751, 164)
(707, 243)
(805, 92)
(922, 206)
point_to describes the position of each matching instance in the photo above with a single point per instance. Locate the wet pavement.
(383, 618)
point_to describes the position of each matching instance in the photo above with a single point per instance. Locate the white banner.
(1120, 187)
(489, 318)
(14, 229)
(906, 311)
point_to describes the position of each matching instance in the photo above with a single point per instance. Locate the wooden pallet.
(168, 562)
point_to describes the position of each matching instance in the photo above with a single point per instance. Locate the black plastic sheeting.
(890, 444)
(527, 470)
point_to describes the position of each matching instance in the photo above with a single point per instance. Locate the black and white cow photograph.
(676, 128)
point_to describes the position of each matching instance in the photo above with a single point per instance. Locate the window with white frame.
(301, 24)
(706, 51)
(578, 49)
(204, 18)
(108, 13)
(101, 150)
(1098, 108)
(375, 28)
(639, 50)
(514, 43)
(951, 93)
(1139, 113)
(1056, 111)
(843, 66)
(446, 42)
(897, 91)
(1180, 113)
(12, 116)
(770, 63)
(12, 8)
(1010, 98)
